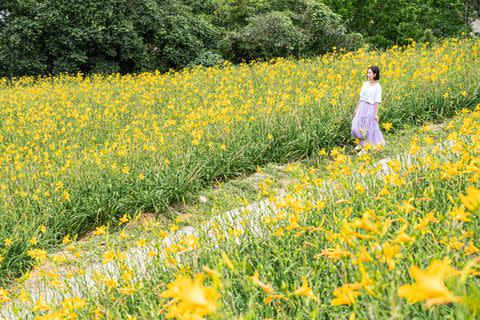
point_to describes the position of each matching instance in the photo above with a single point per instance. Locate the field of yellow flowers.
(79, 152)
(352, 238)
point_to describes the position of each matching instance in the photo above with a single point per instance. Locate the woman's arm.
(356, 108)
(376, 105)
(378, 99)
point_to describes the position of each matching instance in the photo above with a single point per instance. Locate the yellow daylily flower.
(265, 287)
(471, 200)
(429, 284)
(346, 294)
(306, 291)
(190, 298)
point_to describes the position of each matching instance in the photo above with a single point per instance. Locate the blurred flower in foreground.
(190, 298)
(429, 284)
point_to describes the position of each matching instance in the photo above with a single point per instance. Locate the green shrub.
(266, 36)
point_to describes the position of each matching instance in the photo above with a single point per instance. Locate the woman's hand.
(376, 118)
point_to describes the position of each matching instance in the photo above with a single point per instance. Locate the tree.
(54, 36)
(265, 36)
(289, 27)
(385, 23)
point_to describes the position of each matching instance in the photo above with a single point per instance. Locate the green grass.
(235, 193)
(74, 149)
(281, 260)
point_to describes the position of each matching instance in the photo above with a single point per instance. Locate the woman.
(365, 118)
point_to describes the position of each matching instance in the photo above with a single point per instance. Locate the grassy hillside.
(351, 237)
(81, 152)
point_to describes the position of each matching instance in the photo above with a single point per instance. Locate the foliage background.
(57, 36)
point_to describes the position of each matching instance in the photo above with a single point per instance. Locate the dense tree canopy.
(384, 23)
(43, 37)
(40, 37)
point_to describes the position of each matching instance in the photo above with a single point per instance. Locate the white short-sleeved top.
(371, 94)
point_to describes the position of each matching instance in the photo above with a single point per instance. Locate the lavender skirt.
(364, 126)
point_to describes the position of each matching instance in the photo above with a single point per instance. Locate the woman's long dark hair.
(376, 71)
